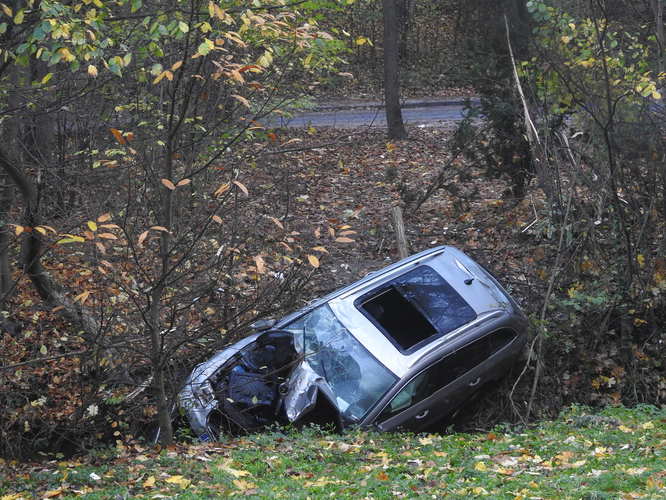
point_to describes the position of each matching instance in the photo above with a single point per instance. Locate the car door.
(439, 389)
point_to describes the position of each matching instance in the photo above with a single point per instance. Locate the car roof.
(470, 280)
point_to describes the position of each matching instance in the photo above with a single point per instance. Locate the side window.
(446, 370)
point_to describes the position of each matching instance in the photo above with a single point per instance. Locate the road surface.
(428, 113)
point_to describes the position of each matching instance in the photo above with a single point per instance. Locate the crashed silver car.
(401, 348)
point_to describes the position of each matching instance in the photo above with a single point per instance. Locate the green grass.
(617, 453)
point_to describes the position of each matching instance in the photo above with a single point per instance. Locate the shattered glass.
(356, 378)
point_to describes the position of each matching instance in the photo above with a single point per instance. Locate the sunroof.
(399, 317)
(416, 307)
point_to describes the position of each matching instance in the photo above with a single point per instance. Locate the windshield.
(356, 378)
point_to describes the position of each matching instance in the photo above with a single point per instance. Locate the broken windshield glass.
(355, 377)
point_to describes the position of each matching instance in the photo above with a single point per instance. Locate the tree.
(165, 92)
(396, 128)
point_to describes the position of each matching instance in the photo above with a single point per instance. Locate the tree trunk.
(396, 127)
(658, 11)
(6, 202)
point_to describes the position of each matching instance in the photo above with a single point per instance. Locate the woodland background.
(148, 215)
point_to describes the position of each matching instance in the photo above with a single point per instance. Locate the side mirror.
(263, 324)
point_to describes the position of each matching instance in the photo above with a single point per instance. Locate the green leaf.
(182, 26)
(136, 5)
(3, 28)
(18, 19)
(205, 47)
(43, 350)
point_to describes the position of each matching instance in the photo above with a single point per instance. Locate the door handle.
(422, 415)
(475, 382)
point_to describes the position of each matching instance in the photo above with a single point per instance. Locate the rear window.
(415, 308)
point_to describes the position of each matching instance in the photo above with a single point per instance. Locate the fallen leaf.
(150, 482)
(180, 481)
(276, 222)
(344, 239)
(226, 467)
(118, 135)
(242, 187)
(259, 262)
(168, 184)
(314, 261)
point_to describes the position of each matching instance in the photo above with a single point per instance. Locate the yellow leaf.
(52, 493)
(640, 258)
(8, 11)
(82, 297)
(142, 237)
(241, 484)
(159, 77)
(314, 261)
(624, 428)
(242, 187)
(18, 230)
(176, 65)
(40, 230)
(119, 137)
(150, 482)
(480, 466)
(259, 262)
(226, 467)
(426, 440)
(168, 184)
(656, 95)
(648, 425)
(242, 100)
(222, 189)
(180, 481)
(320, 249)
(12, 496)
(92, 226)
(70, 238)
(344, 239)
(92, 70)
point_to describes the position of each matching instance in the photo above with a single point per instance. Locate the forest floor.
(617, 453)
(351, 179)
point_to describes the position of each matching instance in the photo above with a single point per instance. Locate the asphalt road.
(430, 114)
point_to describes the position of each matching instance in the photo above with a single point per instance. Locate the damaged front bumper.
(254, 383)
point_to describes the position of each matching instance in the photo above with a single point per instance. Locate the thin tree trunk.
(658, 11)
(396, 127)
